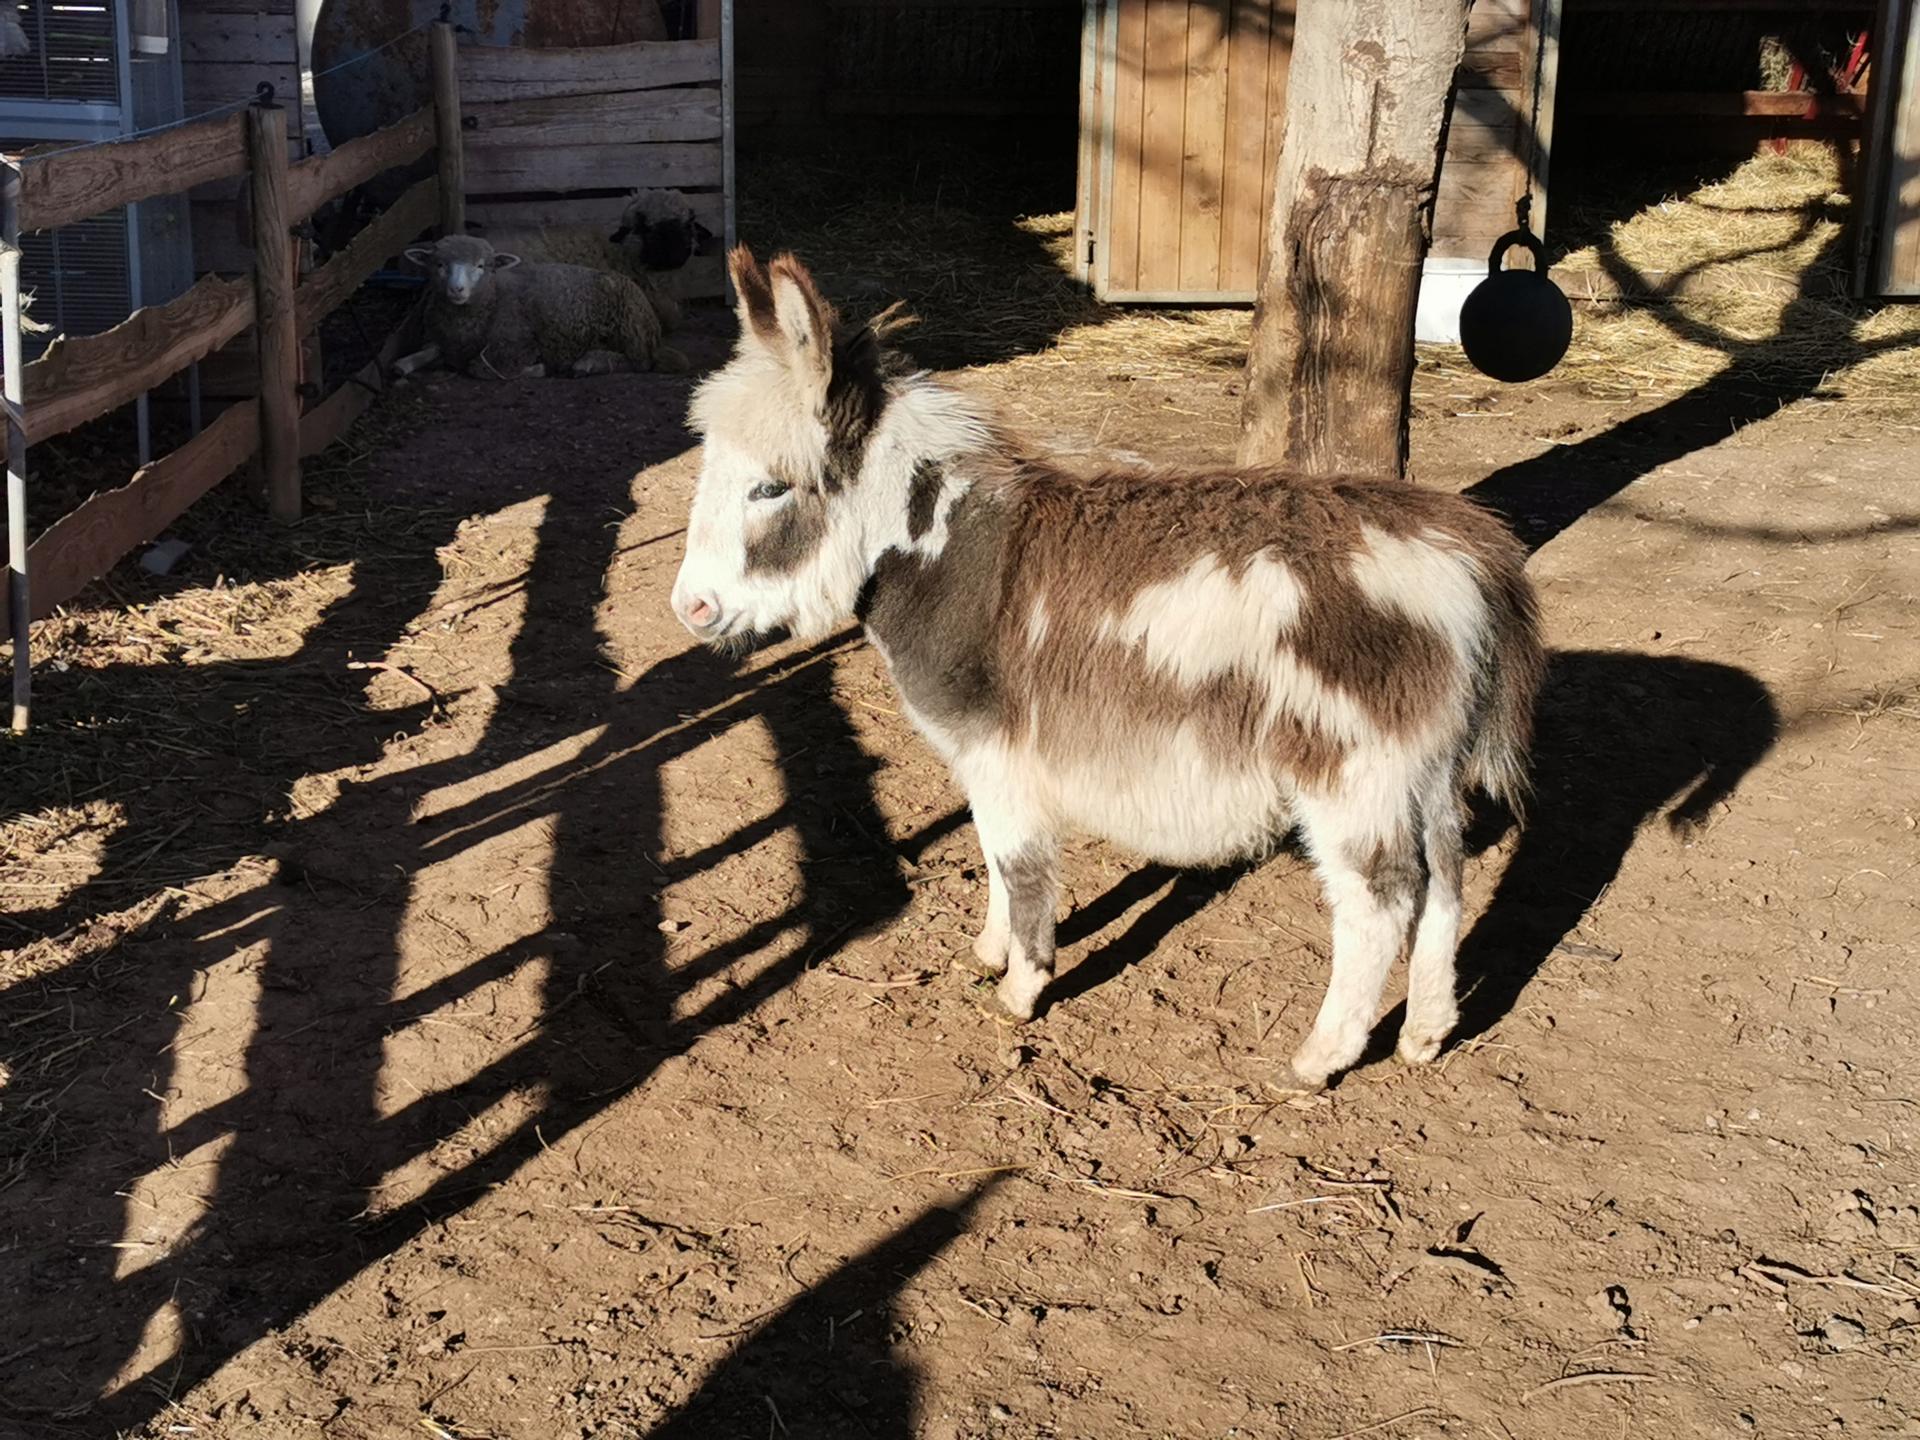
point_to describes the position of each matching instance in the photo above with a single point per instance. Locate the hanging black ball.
(1516, 325)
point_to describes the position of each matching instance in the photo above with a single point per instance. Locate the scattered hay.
(1744, 279)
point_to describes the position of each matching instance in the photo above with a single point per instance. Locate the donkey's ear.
(805, 320)
(753, 296)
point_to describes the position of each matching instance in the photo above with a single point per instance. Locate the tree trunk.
(1331, 363)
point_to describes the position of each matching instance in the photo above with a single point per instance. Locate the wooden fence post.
(19, 609)
(276, 322)
(446, 126)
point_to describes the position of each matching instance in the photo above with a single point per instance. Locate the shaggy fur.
(491, 316)
(1187, 664)
(585, 245)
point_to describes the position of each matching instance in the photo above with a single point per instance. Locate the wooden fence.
(560, 136)
(85, 377)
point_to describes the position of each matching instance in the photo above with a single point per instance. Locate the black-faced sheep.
(487, 314)
(660, 226)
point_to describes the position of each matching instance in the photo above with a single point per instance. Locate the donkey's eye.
(769, 490)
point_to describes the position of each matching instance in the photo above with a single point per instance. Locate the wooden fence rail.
(85, 377)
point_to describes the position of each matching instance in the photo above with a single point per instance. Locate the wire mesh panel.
(74, 53)
(79, 278)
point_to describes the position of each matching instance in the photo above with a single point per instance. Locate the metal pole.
(18, 600)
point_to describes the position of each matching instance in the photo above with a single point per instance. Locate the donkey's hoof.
(1291, 1083)
(972, 965)
(989, 1003)
(1420, 1048)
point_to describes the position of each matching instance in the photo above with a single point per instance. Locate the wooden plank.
(1163, 143)
(1492, 70)
(1486, 127)
(1279, 71)
(1474, 207)
(1086, 169)
(59, 188)
(1496, 27)
(1546, 103)
(709, 208)
(329, 287)
(498, 170)
(83, 377)
(1242, 220)
(212, 38)
(90, 539)
(449, 146)
(222, 241)
(205, 86)
(312, 183)
(1118, 258)
(1751, 104)
(496, 72)
(637, 115)
(276, 317)
(1203, 147)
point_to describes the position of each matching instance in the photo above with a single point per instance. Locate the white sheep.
(487, 314)
(586, 245)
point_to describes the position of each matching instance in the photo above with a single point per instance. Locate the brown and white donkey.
(1187, 664)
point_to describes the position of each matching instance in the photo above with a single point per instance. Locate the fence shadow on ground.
(121, 1304)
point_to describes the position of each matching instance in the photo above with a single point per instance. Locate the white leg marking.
(1432, 1010)
(1372, 914)
(1024, 858)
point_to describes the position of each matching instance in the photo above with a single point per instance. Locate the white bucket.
(1444, 287)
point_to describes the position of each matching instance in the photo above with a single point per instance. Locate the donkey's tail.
(1515, 664)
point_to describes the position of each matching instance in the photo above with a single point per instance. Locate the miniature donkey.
(1188, 664)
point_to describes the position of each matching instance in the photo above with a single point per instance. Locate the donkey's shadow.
(1620, 739)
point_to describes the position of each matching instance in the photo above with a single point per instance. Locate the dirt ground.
(439, 1001)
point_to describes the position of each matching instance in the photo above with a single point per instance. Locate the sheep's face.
(778, 536)
(659, 224)
(459, 266)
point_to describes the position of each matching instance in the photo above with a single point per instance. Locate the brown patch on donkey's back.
(1090, 545)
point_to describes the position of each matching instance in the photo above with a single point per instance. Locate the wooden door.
(1181, 103)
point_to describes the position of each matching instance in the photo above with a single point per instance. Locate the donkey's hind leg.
(1432, 1009)
(1371, 869)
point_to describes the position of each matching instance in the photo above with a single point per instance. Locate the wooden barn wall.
(561, 136)
(807, 65)
(1494, 150)
(227, 48)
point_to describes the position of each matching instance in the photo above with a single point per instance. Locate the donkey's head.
(789, 515)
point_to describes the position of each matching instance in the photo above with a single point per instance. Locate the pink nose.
(699, 612)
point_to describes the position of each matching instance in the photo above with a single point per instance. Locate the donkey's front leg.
(1022, 860)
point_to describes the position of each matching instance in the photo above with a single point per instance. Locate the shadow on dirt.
(148, 1242)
